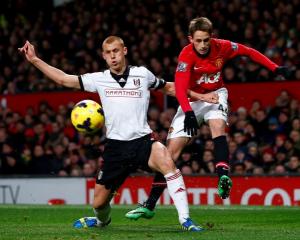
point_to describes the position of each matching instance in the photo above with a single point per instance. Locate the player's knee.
(217, 129)
(166, 162)
(170, 165)
(174, 154)
(161, 159)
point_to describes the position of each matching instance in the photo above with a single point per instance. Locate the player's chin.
(116, 67)
(203, 52)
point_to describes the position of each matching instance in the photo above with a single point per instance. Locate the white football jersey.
(125, 100)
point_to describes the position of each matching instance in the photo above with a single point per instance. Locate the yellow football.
(87, 116)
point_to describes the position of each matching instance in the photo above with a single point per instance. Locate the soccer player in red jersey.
(199, 68)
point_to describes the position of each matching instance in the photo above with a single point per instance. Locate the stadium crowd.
(154, 31)
(261, 141)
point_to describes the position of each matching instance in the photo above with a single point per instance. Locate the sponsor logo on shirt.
(211, 78)
(181, 67)
(123, 93)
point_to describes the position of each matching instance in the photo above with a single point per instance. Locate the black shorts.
(122, 158)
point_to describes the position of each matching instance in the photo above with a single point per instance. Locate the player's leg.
(101, 207)
(174, 146)
(113, 173)
(101, 204)
(160, 160)
(221, 153)
(177, 139)
(146, 210)
(217, 118)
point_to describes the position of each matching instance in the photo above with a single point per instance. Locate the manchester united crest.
(219, 62)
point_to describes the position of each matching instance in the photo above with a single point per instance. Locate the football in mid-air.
(87, 116)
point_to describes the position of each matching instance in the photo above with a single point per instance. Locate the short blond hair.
(112, 39)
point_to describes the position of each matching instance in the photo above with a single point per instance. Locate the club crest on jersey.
(137, 82)
(219, 62)
(181, 67)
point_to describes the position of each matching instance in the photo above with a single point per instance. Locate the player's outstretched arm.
(261, 59)
(53, 73)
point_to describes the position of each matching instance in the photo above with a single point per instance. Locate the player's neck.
(201, 55)
(119, 72)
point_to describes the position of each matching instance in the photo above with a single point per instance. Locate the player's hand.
(283, 71)
(211, 97)
(190, 123)
(28, 51)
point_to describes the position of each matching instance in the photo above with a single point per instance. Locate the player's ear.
(103, 55)
(190, 39)
(125, 50)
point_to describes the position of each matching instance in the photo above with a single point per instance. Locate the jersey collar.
(121, 78)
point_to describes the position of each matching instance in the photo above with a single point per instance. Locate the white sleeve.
(153, 82)
(88, 81)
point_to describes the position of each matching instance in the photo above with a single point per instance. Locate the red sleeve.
(254, 55)
(182, 79)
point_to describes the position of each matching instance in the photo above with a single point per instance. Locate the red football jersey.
(204, 74)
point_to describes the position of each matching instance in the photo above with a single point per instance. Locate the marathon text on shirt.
(123, 93)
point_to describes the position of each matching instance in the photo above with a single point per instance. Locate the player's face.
(201, 41)
(114, 55)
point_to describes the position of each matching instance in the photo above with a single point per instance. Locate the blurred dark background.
(68, 35)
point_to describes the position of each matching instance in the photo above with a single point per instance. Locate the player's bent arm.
(169, 89)
(56, 74)
(212, 97)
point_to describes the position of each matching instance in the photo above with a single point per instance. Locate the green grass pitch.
(230, 222)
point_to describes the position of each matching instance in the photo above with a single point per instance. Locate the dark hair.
(200, 24)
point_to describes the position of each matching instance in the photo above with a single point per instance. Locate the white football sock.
(103, 214)
(178, 194)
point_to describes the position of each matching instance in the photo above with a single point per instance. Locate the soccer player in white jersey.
(124, 93)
